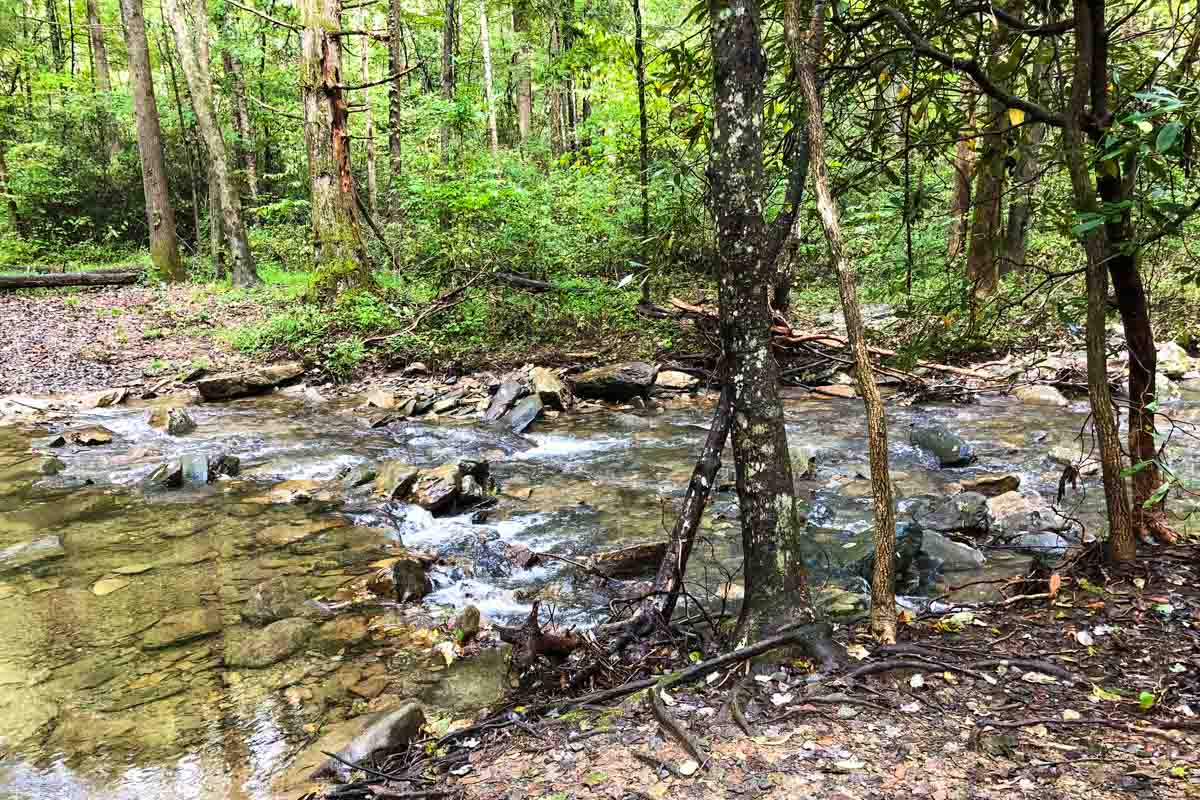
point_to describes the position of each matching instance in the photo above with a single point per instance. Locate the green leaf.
(1146, 700)
(1101, 693)
(594, 778)
(1167, 136)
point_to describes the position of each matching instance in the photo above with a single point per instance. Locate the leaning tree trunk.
(449, 30)
(246, 150)
(521, 71)
(189, 21)
(160, 216)
(339, 255)
(774, 568)
(489, 91)
(109, 132)
(964, 168)
(1089, 62)
(883, 584)
(395, 90)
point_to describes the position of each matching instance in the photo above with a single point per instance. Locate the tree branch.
(1016, 24)
(267, 17)
(381, 81)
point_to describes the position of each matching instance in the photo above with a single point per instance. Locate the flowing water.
(113, 682)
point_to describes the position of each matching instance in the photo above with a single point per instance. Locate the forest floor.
(1093, 693)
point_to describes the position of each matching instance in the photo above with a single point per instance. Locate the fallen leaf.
(1055, 584)
(857, 652)
(849, 765)
(779, 699)
(594, 778)
(1085, 638)
(916, 681)
(1038, 677)
(688, 768)
(1070, 714)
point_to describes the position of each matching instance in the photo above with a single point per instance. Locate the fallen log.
(51, 281)
(60, 269)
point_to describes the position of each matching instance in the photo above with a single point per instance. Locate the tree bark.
(160, 216)
(964, 171)
(1090, 62)
(558, 143)
(191, 145)
(521, 71)
(639, 62)
(369, 133)
(56, 34)
(216, 231)
(14, 215)
(69, 279)
(395, 90)
(489, 91)
(246, 149)
(774, 567)
(109, 133)
(189, 21)
(449, 44)
(339, 254)
(1026, 177)
(805, 51)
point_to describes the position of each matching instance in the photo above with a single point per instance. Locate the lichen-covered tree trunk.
(189, 22)
(109, 132)
(489, 91)
(160, 216)
(449, 43)
(774, 567)
(805, 50)
(339, 255)
(964, 171)
(395, 90)
(369, 127)
(246, 150)
(1120, 546)
(521, 71)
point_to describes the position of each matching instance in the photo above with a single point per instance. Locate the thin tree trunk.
(554, 94)
(109, 132)
(246, 149)
(14, 215)
(160, 216)
(639, 65)
(339, 255)
(395, 90)
(1120, 546)
(56, 35)
(489, 91)
(449, 45)
(1025, 182)
(216, 231)
(964, 169)
(774, 567)
(883, 584)
(191, 145)
(71, 32)
(189, 21)
(522, 72)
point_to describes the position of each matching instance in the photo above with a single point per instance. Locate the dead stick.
(672, 726)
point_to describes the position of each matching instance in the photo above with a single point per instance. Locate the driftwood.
(50, 281)
(530, 641)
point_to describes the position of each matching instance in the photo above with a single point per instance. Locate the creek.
(117, 604)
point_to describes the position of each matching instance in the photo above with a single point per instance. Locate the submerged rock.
(965, 512)
(272, 600)
(524, 413)
(172, 421)
(637, 559)
(230, 385)
(617, 381)
(265, 646)
(381, 735)
(950, 449)
(992, 484)
(27, 554)
(181, 627)
(1040, 395)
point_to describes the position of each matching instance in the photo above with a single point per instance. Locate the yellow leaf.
(902, 92)
(1016, 116)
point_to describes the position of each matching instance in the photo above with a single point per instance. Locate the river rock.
(272, 600)
(345, 632)
(230, 385)
(954, 557)
(836, 390)
(181, 627)
(256, 648)
(524, 413)
(165, 476)
(382, 398)
(913, 570)
(395, 479)
(675, 381)
(359, 475)
(103, 398)
(287, 533)
(616, 382)
(1046, 543)
(448, 402)
(1040, 395)
(992, 484)
(49, 466)
(382, 735)
(1173, 360)
(28, 554)
(171, 421)
(631, 561)
(442, 489)
(195, 468)
(950, 449)
(1065, 455)
(88, 436)
(545, 383)
(466, 624)
(836, 601)
(965, 512)
(1165, 389)
(512, 389)
(404, 578)
(224, 465)
(1018, 512)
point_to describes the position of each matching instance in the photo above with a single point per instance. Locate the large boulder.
(1040, 395)
(381, 735)
(256, 648)
(171, 421)
(546, 384)
(950, 449)
(965, 512)
(512, 389)
(230, 385)
(631, 561)
(617, 381)
(954, 556)
(1173, 360)
(524, 413)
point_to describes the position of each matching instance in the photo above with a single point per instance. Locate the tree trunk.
(1025, 182)
(489, 91)
(639, 62)
(56, 34)
(964, 168)
(216, 231)
(189, 21)
(14, 215)
(339, 255)
(246, 149)
(1090, 66)
(449, 44)
(160, 216)
(193, 159)
(805, 51)
(395, 90)
(109, 133)
(369, 133)
(554, 92)
(522, 72)
(774, 568)
(69, 279)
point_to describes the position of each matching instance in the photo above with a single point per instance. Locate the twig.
(267, 17)
(672, 726)
(923, 666)
(1027, 663)
(368, 770)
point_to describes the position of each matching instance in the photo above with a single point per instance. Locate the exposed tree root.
(672, 727)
